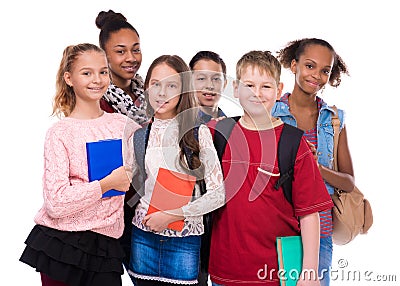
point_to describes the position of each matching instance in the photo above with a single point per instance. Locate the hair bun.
(104, 17)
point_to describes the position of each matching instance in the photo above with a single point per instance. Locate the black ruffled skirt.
(82, 258)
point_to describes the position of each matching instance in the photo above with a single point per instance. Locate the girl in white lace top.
(172, 256)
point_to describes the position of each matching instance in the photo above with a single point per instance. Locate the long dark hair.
(187, 109)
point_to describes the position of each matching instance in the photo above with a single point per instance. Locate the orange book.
(172, 190)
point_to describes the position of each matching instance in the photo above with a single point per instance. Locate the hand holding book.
(172, 191)
(290, 257)
(160, 220)
(105, 164)
(117, 180)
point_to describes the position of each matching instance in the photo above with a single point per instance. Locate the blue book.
(103, 157)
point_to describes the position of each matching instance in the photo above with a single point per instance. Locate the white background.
(365, 34)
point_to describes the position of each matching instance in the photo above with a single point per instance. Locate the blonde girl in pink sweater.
(74, 241)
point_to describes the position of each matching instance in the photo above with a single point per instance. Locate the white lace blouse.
(163, 152)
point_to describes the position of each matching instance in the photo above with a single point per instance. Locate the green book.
(290, 259)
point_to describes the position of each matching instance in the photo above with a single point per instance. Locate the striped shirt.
(311, 135)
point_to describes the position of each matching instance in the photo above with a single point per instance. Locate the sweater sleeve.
(128, 148)
(215, 196)
(65, 193)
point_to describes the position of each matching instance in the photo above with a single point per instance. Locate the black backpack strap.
(140, 139)
(287, 151)
(207, 218)
(223, 130)
(187, 151)
(189, 155)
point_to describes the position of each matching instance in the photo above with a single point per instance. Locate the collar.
(281, 107)
(205, 117)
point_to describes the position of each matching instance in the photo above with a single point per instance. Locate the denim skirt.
(163, 258)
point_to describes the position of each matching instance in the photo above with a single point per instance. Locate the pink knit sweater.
(71, 202)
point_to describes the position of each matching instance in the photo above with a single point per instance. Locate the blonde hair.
(263, 60)
(65, 99)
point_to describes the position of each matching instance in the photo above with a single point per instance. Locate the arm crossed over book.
(104, 157)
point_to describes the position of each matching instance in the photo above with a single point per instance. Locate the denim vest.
(324, 131)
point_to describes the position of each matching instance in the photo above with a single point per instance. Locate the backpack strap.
(223, 130)
(287, 151)
(207, 218)
(140, 139)
(336, 131)
(187, 151)
(189, 155)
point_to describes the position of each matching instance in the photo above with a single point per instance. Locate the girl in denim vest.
(315, 63)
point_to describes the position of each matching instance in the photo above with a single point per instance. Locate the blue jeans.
(325, 260)
(171, 258)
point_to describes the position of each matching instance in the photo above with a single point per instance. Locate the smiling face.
(313, 68)
(89, 77)
(124, 55)
(257, 92)
(209, 82)
(164, 91)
